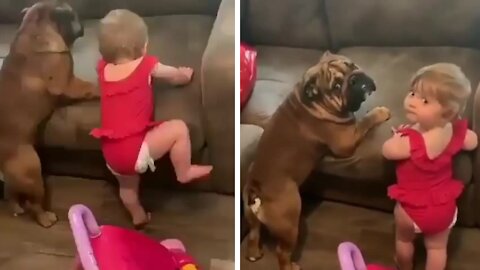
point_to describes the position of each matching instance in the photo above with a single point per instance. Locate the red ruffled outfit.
(425, 187)
(126, 115)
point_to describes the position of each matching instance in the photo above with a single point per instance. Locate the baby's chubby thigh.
(163, 136)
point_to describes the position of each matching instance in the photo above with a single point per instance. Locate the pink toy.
(351, 258)
(114, 248)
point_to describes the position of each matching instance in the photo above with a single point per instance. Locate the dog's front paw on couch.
(379, 114)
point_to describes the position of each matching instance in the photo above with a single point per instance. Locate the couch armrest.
(218, 97)
(476, 155)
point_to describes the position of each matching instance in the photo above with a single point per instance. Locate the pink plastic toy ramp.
(114, 248)
(350, 258)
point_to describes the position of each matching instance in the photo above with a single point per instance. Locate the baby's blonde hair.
(122, 33)
(446, 83)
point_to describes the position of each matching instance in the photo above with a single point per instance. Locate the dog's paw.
(296, 266)
(17, 210)
(254, 254)
(380, 114)
(47, 219)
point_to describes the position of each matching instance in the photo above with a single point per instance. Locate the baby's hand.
(187, 73)
(402, 126)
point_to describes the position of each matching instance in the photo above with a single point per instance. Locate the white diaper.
(144, 161)
(417, 229)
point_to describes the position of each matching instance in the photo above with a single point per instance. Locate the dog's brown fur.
(35, 76)
(312, 121)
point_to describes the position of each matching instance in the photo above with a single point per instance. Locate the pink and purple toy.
(350, 258)
(113, 248)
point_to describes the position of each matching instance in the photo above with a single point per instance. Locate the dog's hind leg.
(254, 248)
(282, 218)
(23, 171)
(14, 200)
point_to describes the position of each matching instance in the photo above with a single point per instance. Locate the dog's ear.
(34, 14)
(325, 55)
(309, 90)
(24, 11)
(28, 17)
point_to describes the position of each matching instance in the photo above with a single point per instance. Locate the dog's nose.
(81, 32)
(360, 81)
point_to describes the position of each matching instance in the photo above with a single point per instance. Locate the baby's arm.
(471, 140)
(176, 76)
(396, 148)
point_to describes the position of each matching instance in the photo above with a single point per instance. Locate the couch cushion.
(392, 68)
(176, 40)
(278, 69)
(10, 10)
(94, 9)
(167, 7)
(249, 137)
(287, 24)
(404, 23)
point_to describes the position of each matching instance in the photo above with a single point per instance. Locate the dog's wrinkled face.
(59, 14)
(336, 85)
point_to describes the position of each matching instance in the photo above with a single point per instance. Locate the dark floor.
(203, 221)
(332, 223)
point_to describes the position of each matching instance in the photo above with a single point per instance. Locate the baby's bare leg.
(174, 136)
(404, 237)
(436, 246)
(128, 190)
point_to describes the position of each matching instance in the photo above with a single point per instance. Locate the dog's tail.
(253, 200)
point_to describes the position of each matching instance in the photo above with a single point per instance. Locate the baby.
(426, 191)
(130, 139)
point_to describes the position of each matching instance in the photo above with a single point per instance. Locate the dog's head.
(54, 14)
(336, 85)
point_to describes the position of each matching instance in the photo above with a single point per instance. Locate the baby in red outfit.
(426, 190)
(131, 140)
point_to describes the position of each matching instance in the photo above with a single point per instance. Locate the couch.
(185, 32)
(390, 40)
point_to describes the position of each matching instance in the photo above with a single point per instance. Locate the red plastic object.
(121, 249)
(378, 267)
(248, 72)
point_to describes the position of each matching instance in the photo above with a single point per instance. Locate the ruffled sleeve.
(418, 152)
(150, 63)
(460, 128)
(417, 145)
(140, 77)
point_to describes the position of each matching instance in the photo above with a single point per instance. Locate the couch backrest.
(343, 23)
(94, 9)
(291, 23)
(404, 22)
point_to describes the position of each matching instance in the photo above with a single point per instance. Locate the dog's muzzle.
(359, 87)
(77, 29)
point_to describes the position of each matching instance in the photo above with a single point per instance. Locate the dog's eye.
(337, 86)
(425, 101)
(412, 93)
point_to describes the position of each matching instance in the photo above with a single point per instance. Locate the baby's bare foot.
(196, 172)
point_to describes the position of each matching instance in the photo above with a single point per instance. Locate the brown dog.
(36, 74)
(314, 120)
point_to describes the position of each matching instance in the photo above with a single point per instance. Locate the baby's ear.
(450, 114)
